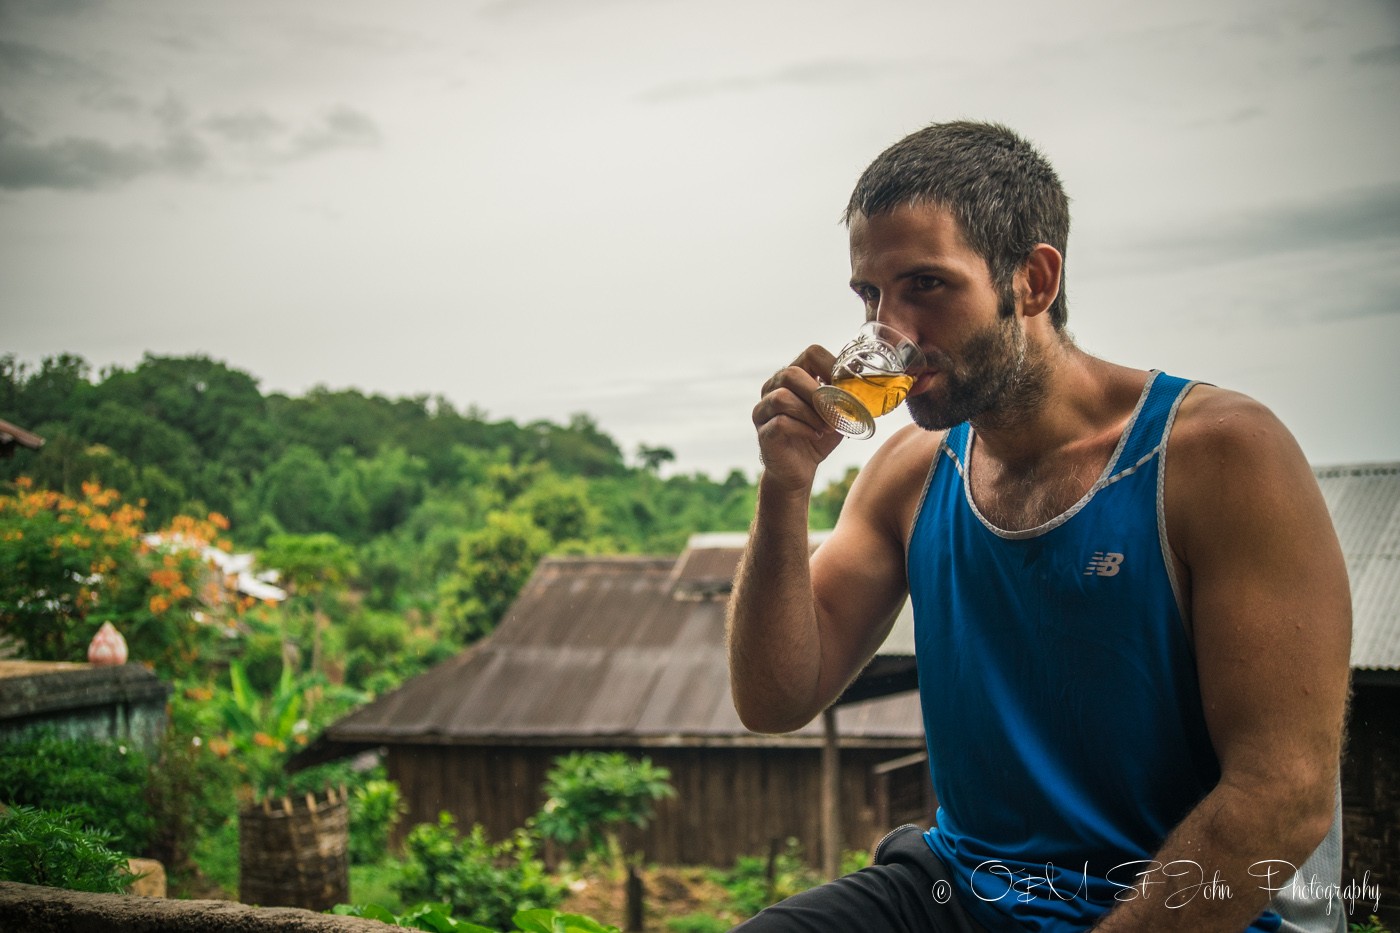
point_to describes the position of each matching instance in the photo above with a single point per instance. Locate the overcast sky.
(630, 207)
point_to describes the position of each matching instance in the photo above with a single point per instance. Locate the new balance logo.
(1104, 564)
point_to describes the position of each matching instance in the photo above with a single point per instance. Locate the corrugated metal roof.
(1364, 501)
(597, 648)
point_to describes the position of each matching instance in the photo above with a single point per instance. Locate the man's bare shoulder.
(1230, 460)
(1221, 429)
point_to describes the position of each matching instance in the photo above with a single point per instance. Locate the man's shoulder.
(1229, 458)
(1224, 427)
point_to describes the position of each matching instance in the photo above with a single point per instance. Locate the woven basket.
(295, 853)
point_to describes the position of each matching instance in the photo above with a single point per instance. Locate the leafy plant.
(51, 848)
(375, 808)
(592, 795)
(102, 784)
(484, 882)
(74, 562)
(438, 919)
(749, 883)
(1373, 925)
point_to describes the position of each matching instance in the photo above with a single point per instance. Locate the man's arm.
(1271, 619)
(800, 630)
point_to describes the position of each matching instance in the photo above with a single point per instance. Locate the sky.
(630, 208)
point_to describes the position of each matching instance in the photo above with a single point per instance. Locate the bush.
(375, 809)
(481, 881)
(52, 848)
(103, 784)
(749, 886)
(593, 794)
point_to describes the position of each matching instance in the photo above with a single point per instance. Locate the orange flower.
(220, 747)
(219, 521)
(266, 741)
(159, 604)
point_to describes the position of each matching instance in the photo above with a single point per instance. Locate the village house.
(627, 653)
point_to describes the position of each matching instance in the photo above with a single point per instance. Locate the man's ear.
(1040, 279)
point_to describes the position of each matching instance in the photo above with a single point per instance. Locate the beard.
(997, 378)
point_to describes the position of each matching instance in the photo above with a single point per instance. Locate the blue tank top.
(1064, 724)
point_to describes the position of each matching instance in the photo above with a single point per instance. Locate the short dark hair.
(1002, 190)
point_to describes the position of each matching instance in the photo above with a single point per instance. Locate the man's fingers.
(783, 402)
(815, 363)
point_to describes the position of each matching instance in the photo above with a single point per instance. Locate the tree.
(314, 566)
(653, 457)
(562, 508)
(591, 796)
(494, 563)
(297, 490)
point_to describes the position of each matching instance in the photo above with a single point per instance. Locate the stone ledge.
(26, 908)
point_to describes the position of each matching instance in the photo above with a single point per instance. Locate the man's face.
(914, 271)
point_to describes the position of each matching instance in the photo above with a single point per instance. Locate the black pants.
(907, 890)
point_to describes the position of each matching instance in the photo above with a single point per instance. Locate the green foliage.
(310, 564)
(1373, 925)
(192, 794)
(437, 919)
(100, 784)
(72, 563)
(483, 882)
(750, 887)
(495, 562)
(375, 809)
(697, 923)
(403, 528)
(826, 505)
(591, 795)
(51, 848)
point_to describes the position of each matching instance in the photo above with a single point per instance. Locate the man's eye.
(926, 283)
(867, 294)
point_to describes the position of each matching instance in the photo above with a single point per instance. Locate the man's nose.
(890, 313)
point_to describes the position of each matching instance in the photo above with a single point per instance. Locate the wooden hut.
(627, 653)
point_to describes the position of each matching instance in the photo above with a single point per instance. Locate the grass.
(373, 884)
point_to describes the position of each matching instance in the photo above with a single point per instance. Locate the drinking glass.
(871, 377)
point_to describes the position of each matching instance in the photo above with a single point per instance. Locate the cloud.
(1380, 55)
(1276, 256)
(1348, 219)
(246, 127)
(823, 72)
(20, 60)
(341, 128)
(86, 163)
(184, 147)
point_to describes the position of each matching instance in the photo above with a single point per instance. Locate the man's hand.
(793, 439)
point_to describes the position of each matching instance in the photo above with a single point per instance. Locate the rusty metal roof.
(603, 649)
(1365, 504)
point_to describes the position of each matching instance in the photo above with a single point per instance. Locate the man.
(1132, 616)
